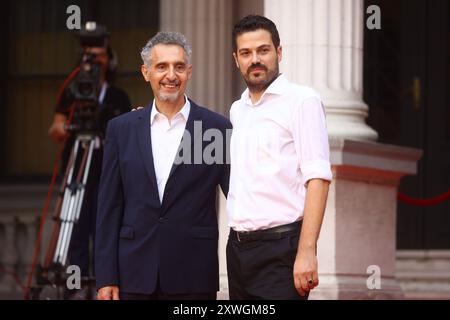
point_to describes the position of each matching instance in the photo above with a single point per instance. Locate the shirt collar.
(278, 86)
(184, 111)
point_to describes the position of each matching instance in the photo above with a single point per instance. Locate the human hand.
(57, 130)
(137, 108)
(108, 293)
(306, 276)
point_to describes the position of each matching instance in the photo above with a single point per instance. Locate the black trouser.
(260, 265)
(159, 295)
(167, 296)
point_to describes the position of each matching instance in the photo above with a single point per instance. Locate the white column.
(322, 44)
(207, 24)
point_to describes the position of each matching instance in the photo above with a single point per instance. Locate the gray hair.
(165, 37)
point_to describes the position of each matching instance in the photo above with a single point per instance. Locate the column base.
(359, 131)
(357, 245)
(340, 287)
(346, 120)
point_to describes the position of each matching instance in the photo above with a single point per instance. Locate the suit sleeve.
(109, 213)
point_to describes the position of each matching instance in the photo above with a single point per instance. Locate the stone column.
(357, 243)
(322, 44)
(207, 24)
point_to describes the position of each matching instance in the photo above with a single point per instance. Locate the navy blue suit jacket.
(138, 238)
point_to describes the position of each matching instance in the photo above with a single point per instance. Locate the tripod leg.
(59, 206)
(85, 178)
(65, 223)
(76, 200)
(66, 199)
(62, 223)
(68, 206)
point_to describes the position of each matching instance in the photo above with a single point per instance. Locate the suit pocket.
(126, 232)
(205, 232)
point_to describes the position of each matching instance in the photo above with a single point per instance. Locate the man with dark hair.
(280, 173)
(157, 231)
(253, 23)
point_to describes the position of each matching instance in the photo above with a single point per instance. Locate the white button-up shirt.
(277, 145)
(166, 138)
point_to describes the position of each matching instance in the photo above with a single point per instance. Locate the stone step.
(424, 274)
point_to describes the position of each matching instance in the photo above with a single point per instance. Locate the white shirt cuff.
(316, 169)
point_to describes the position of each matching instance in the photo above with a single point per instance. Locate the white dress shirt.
(277, 145)
(166, 138)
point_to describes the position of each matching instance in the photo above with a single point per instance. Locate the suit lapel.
(144, 138)
(194, 115)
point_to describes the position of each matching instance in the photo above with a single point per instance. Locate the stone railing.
(20, 207)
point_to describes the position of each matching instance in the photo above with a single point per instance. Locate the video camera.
(85, 87)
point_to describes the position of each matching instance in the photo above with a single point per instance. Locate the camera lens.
(85, 89)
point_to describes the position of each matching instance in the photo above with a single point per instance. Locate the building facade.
(386, 92)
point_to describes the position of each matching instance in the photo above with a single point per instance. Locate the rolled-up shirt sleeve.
(311, 140)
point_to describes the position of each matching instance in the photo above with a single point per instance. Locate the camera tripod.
(66, 214)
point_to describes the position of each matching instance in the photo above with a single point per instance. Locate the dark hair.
(252, 23)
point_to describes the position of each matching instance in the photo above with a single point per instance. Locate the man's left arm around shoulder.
(305, 266)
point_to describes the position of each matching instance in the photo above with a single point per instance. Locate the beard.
(260, 83)
(169, 97)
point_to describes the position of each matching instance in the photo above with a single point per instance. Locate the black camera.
(85, 88)
(86, 85)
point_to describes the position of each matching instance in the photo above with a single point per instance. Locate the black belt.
(274, 233)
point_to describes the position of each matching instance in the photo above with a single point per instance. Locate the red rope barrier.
(44, 213)
(423, 202)
(37, 247)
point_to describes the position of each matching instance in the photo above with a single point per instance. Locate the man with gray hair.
(157, 231)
